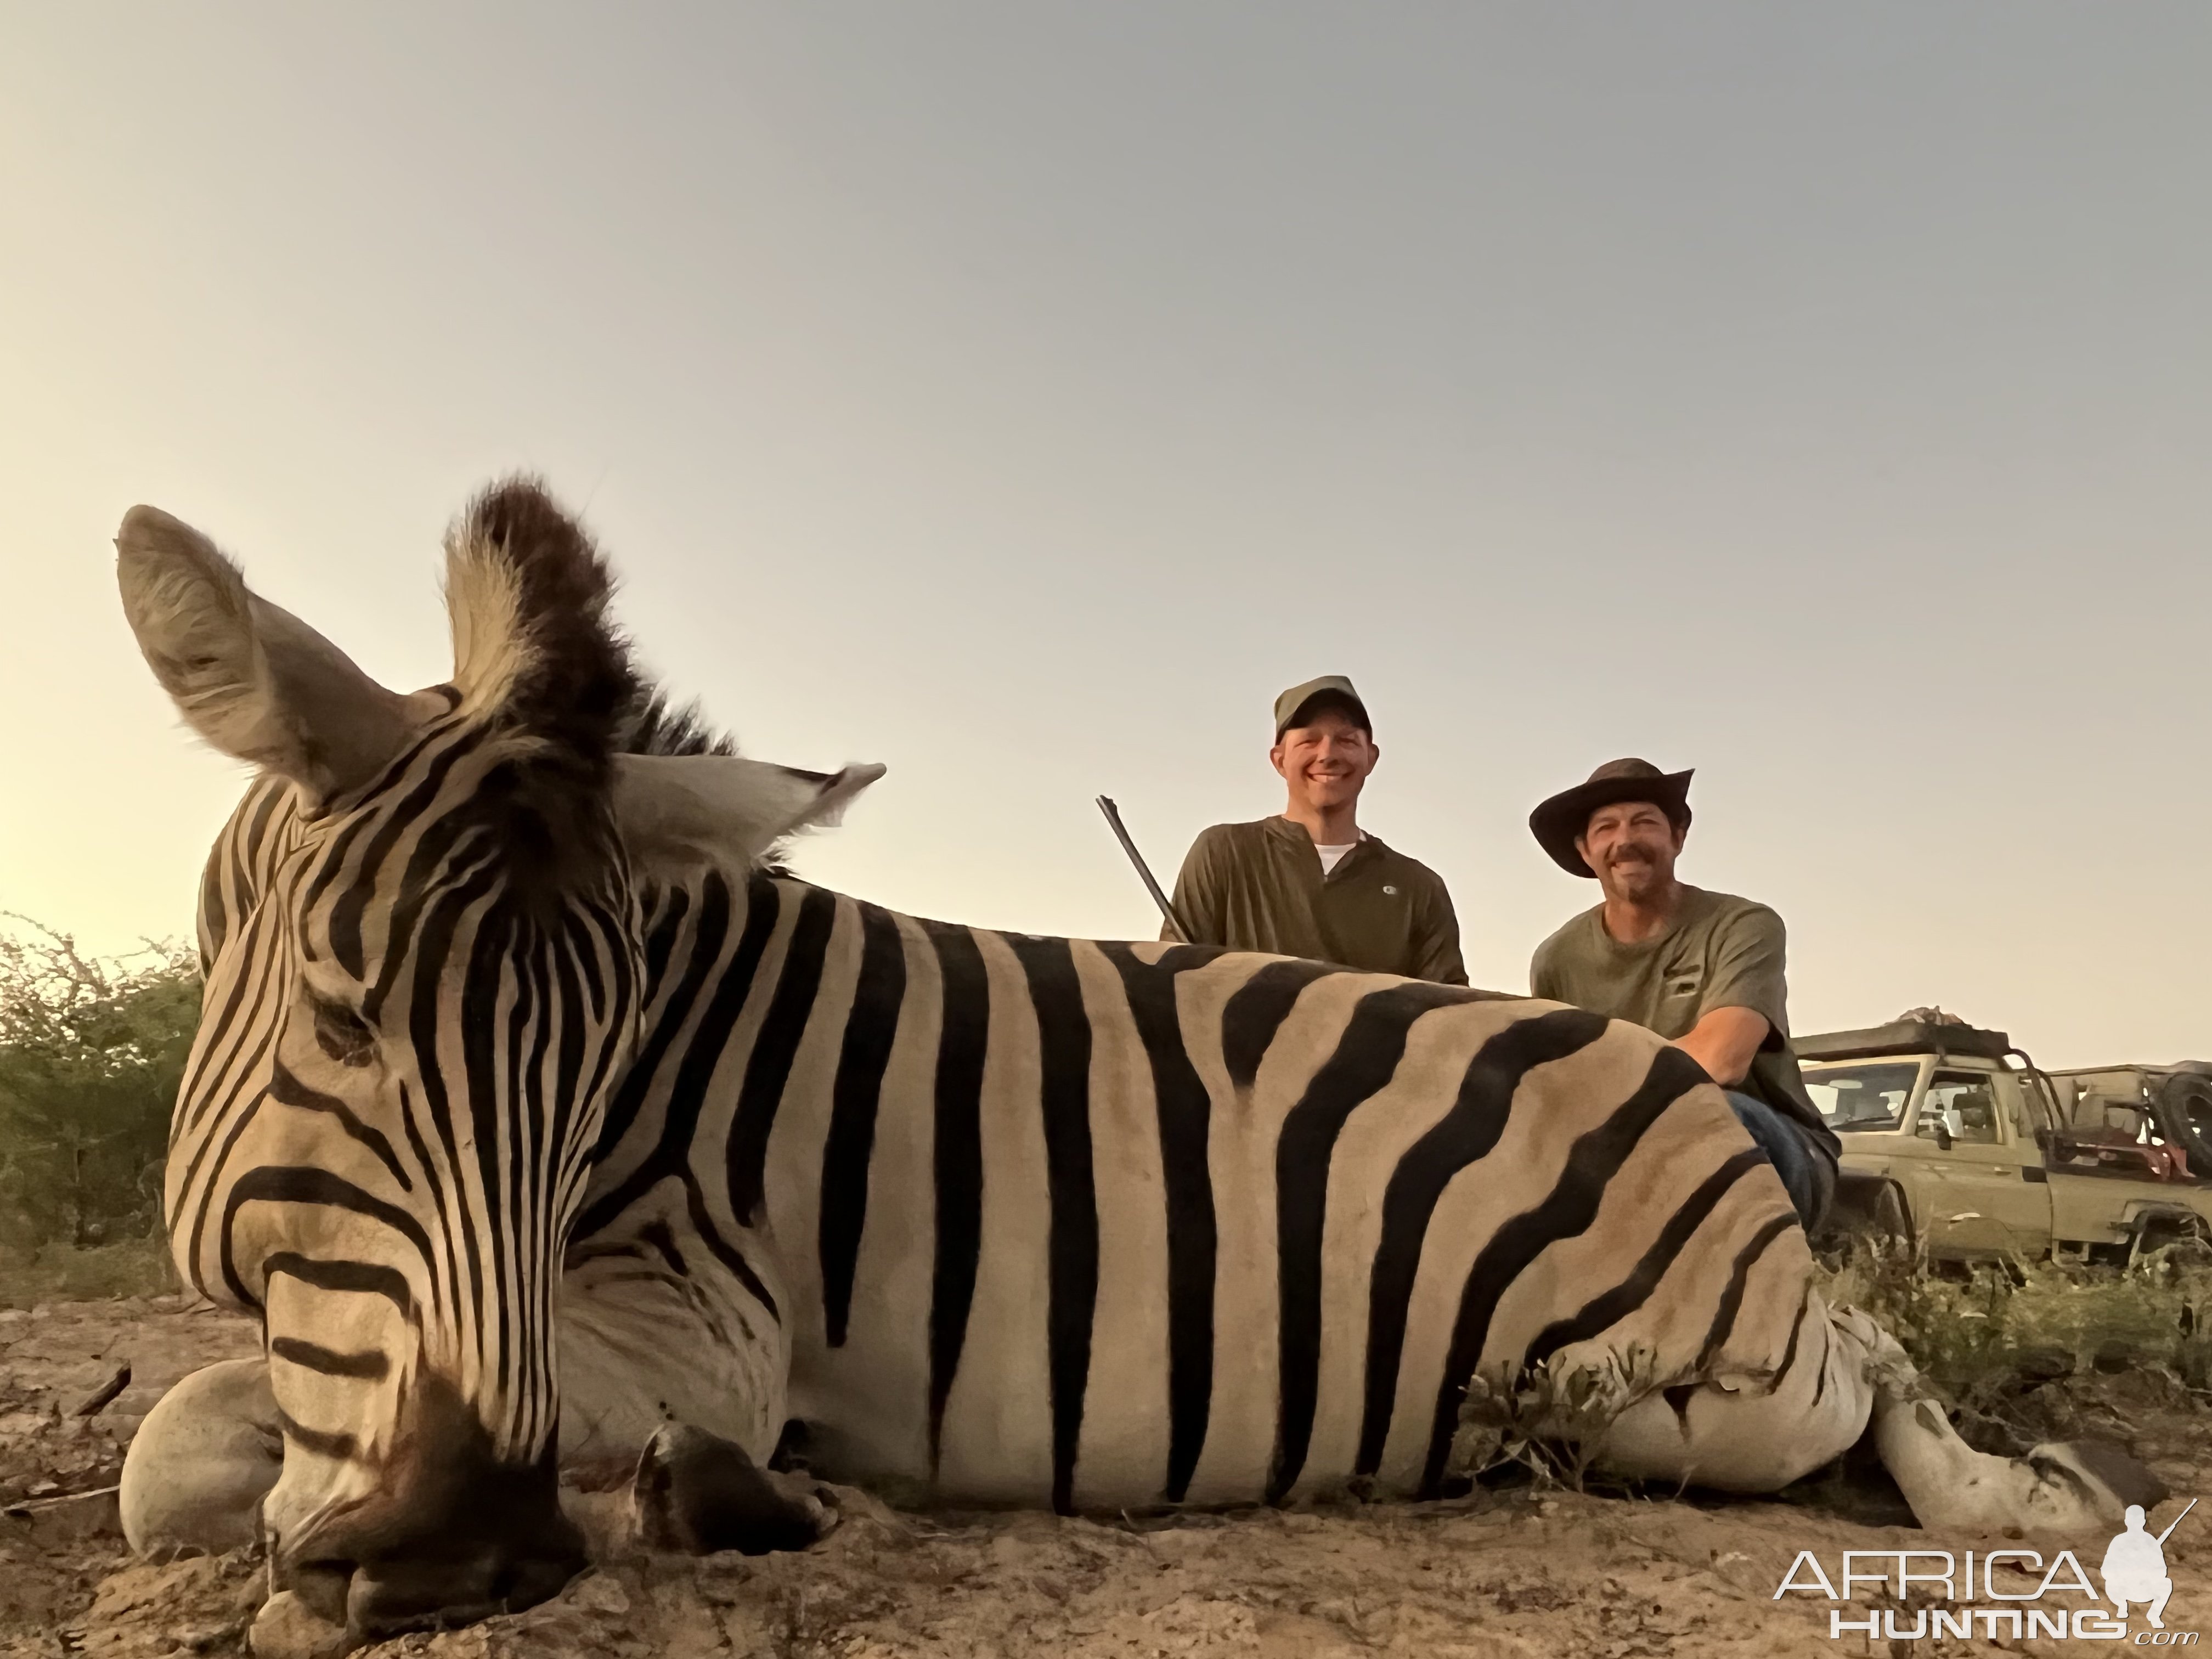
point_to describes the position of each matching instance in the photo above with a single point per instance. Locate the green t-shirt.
(1722, 952)
(1260, 887)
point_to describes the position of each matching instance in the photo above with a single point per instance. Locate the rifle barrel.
(1144, 870)
(2177, 1521)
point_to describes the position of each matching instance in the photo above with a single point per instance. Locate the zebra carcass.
(562, 1140)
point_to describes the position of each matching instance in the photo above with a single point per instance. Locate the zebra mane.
(655, 726)
(527, 590)
(535, 650)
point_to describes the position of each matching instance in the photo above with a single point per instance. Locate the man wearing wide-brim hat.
(1705, 970)
(1310, 882)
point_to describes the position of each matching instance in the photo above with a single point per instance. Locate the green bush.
(1983, 1338)
(91, 1052)
(136, 1266)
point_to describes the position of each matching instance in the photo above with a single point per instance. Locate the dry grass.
(1961, 1329)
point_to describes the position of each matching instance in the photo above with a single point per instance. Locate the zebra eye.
(342, 1034)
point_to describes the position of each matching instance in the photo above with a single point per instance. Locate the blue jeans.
(1806, 1172)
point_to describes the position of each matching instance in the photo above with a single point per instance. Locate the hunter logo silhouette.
(2134, 1568)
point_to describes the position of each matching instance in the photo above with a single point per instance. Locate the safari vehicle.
(2178, 1099)
(1953, 1137)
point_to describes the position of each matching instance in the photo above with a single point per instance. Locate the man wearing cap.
(1311, 883)
(1705, 970)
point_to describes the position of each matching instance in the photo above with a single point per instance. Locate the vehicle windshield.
(1869, 1096)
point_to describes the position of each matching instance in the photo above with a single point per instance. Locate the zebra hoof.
(697, 1494)
(2109, 1477)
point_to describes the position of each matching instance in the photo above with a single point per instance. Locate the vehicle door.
(1985, 1179)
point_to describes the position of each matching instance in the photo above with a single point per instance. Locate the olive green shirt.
(1260, 887)
(1722, 952)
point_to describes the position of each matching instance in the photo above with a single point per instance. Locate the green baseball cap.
(1332, 688)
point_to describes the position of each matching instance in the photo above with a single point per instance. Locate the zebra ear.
(252, 679)
(692, 809)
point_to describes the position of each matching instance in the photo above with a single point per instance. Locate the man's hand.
(1724, 1043)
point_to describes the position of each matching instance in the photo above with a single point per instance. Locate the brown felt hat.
(1328, 689)
(1557, 821)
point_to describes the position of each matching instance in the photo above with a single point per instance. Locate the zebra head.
(423, 977)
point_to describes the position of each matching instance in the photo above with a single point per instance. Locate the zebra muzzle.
(452, 1532)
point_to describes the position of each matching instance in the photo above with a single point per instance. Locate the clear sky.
(1022, 395)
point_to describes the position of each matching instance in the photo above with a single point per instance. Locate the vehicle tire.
(2183, 1108)
(1864, 1206)
(1888, 1220)
(2184, 1236)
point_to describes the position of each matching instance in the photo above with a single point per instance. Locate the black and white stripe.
(944, 1145)
(439, 1173)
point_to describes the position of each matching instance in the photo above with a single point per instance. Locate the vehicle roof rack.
(1903, 1038)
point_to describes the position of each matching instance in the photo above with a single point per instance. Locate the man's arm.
(1435, 939)
(1744, 996)
(1725, 1042)
(1541, 977)
(1545, 982)
(1200, 895)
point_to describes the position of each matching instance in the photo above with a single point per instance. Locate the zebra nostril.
(388, 1598)
(452, 1532)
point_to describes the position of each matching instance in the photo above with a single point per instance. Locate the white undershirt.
(1329, 855)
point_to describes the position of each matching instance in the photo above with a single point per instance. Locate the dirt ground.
(1502, 1573)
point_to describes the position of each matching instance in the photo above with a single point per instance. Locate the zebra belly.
(1023, 1422)
(1113, 1274)
(991, 1455)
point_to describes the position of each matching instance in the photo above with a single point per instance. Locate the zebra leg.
(200, 1463)
(673, 1378)
(698, 1493)
(2059, 1486)
(1758, 1434)
(1753, 1433)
